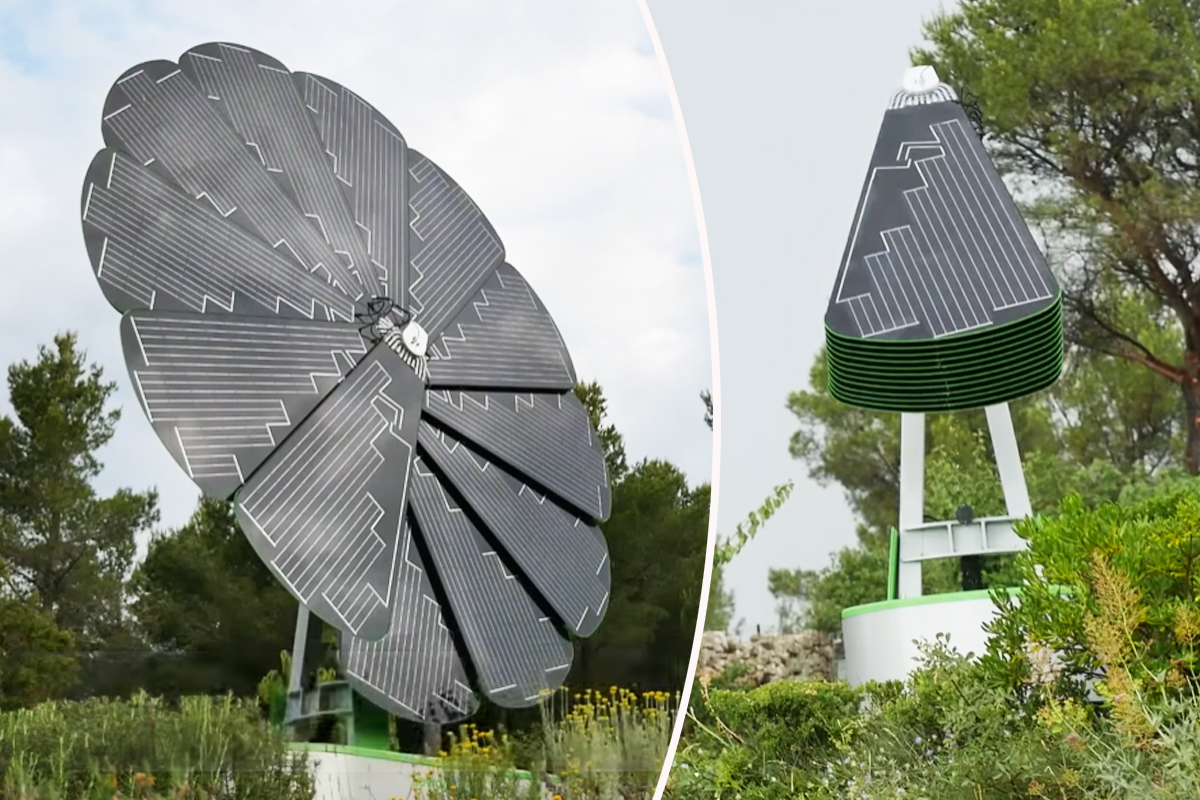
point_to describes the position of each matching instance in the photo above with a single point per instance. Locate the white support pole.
(1008, 461)
(299, 643)
(912, 496)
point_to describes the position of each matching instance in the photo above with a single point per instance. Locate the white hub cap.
(415, 339)
(920, 79)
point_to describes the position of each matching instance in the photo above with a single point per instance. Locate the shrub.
(1152, 547)
(593, 746)
(206, 747)
(760, 742)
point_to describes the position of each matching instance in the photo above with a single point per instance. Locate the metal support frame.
(912, 497)
(299, 645)
(920, 540)
(334, 698)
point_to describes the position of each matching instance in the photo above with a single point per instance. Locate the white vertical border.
(681, 715)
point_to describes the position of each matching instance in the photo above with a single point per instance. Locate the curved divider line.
(706, 258)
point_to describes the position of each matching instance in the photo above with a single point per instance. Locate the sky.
(782, 101)
(552, 114)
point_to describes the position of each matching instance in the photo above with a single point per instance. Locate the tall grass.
(595, 746)
(213, 748)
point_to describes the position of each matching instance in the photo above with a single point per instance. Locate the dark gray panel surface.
(937, 246)
(453, 247)
(161, 118)
(514, 647)
(241, 219)
(223, 392)
(324, 510)
(565, 558)
(370, 160)
(414, 671)
(259, 99)
(503, 339)
(547, 438)
(152, 247)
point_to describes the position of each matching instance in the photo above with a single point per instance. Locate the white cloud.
(553, 115)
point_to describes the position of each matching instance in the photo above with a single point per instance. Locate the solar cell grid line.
(928, 287)
(319, 507)
(164, 120)
(894, 300)
(368, 154)
(1021, 255)
(293, 498)
(239, 218)
(965, 222)
(562, 556)
(959, 305)
(160, 249)
(866, 325)
(946, 227)
(415, 665)
(502, 338)
(455, 248)
(960, 219)
(546, 437)
(514, 647)
(262, 102)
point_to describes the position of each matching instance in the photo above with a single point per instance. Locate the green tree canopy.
(1090, 109)
(62, 544)
(36, 656)
(204, 596)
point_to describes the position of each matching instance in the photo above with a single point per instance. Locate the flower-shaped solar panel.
(321, 326)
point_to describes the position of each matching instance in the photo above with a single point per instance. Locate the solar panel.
(941, 279)
(322, 327)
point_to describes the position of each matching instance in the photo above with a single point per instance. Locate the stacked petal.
(943, 300)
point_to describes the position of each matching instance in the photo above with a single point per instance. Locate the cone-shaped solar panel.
(943, 300)
(321, 325)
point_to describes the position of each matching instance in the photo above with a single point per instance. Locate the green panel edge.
(893, 565)
(1054, 308)
(929, 599)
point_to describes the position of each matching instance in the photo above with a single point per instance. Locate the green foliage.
(655, 600)
(758, 743)
(1061, 451)
(728, 547)
(651, 619)
(1111, 588)
(273, 689)
(143, 748)
(1153, 544)
(611, 441)
(857, 575)
(790, 721)
(1092, 105)
(36, 656)
(203, 593)
(719, 615)
(594, 746)
(59, 541)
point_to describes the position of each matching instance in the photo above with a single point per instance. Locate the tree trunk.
(1191, 404)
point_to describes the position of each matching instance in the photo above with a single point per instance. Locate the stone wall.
(769, 657)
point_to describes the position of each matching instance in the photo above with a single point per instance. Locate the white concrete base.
(347, 773)
(880, 638)
(340, 776)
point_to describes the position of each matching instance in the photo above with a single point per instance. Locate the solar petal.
(321, 326)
